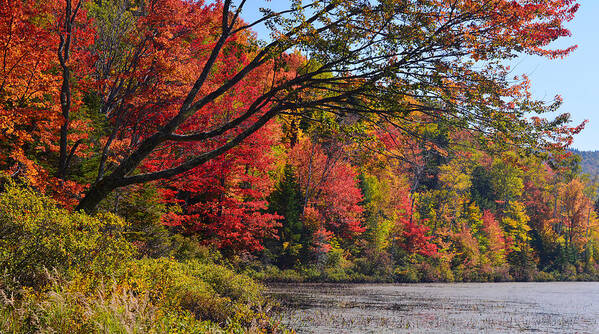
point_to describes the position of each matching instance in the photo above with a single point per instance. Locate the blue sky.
(574, 77)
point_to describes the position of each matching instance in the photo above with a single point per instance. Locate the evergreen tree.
(286, 200)
(481, 190)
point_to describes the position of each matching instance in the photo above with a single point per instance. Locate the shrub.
(445, 272)
(429, 272)
(406, 274)
(502, 274)
(149, 296)
(35, 234)
(74, 273)
(542, 276)
(143, 208)
(375, 263)
(62, 310)
(209, 291)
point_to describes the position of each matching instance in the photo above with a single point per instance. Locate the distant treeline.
(589, 161)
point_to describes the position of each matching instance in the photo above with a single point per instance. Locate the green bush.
(62, 310)
(429, 272)
(149, 296)
(36, 235)
(141, 206)
(542, 276)
(209, 291)
(69, 272)
(406, 274)
(375, 263)
(272, 273)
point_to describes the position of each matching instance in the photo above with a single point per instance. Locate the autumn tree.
(27, 87)
(40, 45)
(494, 246)
(515, 224)
(330, 188)
(575, 211)
(414, 239)
(224, 202)
(443, 54)
(382, 207)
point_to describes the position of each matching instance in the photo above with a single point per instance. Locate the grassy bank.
(66, 272)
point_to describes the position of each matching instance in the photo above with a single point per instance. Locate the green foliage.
(74, 273)
(374, 264)
(481, 190)
(407, 274)
(143, 208)
(515, 223)
(506, 180)
(286, 200)
(379, 221)
(208, 291)
(36, 235)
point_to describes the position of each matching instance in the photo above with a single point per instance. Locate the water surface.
(556, 307)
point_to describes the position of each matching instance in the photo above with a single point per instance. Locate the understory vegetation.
(74, 273)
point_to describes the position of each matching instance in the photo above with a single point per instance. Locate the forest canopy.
(384, 138)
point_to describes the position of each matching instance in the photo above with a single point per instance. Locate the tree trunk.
(96, 194)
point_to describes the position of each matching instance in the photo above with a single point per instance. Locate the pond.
(555, 307)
